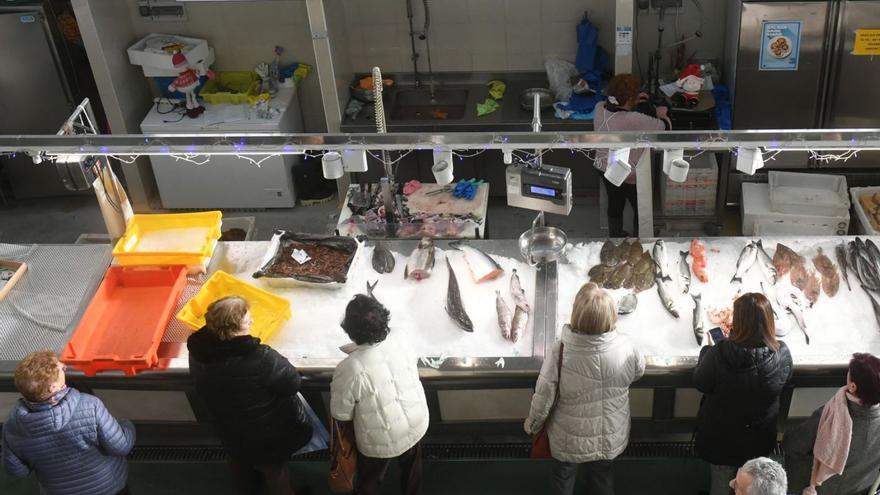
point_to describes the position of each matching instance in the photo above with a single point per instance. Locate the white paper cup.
(331, 163)
(442, 172)
(617, 172)
(678, 170)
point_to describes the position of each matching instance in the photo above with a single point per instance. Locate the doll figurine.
(187, 81)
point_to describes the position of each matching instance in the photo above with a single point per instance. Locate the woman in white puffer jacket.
(378, 388)
(590, 424)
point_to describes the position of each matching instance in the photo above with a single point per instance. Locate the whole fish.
(684, 272)
(840, 253)
(873, 251)
(614, 254)
(643, 281)
(765, 263)
(784, 258)
(519, 323)
(665, 292)
(517, 293)
(383, 260)
(747, 258)
(599, 274)
(421, 261)
(482, 266)
(605, 252)
(793, 306)
(813, 288)
(635, 252)
(698, 255)
(621, 274)
(875, 305)
(799, 276)
(830, 278)
(454, 305)
(644, 265)
(660, 260)
(627, 304)
(504, 315)
(699, 327)
(865, 268)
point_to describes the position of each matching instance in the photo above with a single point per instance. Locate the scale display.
(543, 191)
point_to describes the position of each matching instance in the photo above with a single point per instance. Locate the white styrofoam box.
(755, 209)
(696, 195)
(151, 71)
(148, 51)
(808, 194)
(247, 224)
(864, 224)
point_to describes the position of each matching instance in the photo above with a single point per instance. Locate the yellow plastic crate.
(232, 88)
(169, 239)
(268, 311)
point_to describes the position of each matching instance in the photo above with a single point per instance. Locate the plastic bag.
(560, 73)
(320, 436)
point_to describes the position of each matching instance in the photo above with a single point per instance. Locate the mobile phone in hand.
(717, 335)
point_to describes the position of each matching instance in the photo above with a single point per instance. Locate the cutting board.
(445, 204)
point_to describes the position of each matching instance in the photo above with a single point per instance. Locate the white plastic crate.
(696, 195)
(156, 62)
(758, 218)
(808, 194)
(864, 225)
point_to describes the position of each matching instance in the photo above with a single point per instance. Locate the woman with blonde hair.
(589, 425)
(251, 390)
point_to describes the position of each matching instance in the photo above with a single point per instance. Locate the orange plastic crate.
(124, 324)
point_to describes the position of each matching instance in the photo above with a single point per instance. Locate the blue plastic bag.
(320, 436)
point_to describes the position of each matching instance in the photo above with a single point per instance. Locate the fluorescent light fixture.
(443, 168)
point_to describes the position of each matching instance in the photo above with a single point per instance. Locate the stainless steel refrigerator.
(804, 65)
(35, 97)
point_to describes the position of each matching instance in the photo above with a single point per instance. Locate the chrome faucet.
(423, 36)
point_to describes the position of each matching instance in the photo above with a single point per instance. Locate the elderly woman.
(741, 378)
(377, 387)
(590, 423)
(67, 438)
(250, 390)
(852, 416)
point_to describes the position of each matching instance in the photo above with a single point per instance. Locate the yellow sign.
(867, 42)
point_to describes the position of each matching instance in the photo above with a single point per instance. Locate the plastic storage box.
(864, 225)
(169, 239)
(267, 310)
(153, 53)
(124, 324)
(231, 88)
(696, 195)
(757, 215)
(808, 194)
(247, 224)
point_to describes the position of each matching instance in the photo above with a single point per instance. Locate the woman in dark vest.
(742, 378)
(250, 390)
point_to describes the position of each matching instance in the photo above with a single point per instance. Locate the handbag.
(343, 457)
(541, 442)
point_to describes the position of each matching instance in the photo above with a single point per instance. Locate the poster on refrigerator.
(780, 45)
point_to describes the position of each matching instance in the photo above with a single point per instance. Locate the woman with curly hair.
(377, 387)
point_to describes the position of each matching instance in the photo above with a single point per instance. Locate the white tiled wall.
(465, 35)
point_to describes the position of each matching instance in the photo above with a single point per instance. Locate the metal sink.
(417, 104)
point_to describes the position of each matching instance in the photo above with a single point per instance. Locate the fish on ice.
(747, 258)
(684, 272)
(699, 325)
(383, 259)
(504, 315)
(662, 268)
(454, 304)
(482, 266)
(421, 261)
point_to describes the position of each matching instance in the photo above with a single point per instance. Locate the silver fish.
(519, 323)
(662, 269)
(454, 305)
(684, 272)
(383, 260)
(517, 292)
(665, 291)
(840, 252)
(875, 305)
(746, 259)
(793, 305)
(504, 315)
(482, 266)
(699, 325)
(627, 304)
(765, 263)
(781, 329)
(873, 251)
(421, 261)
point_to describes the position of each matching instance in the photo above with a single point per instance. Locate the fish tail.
(667, 277)
(674, 312)
(736, 279)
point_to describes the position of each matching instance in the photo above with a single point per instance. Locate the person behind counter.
(251, 390)
(378, 388)
(845, 432)
(589, 426)
(741, 378)
(67, 438)
(619, 113)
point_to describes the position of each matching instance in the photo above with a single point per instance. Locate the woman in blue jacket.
(67, 438)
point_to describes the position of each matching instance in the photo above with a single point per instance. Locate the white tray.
(808, 194)
(143, 52)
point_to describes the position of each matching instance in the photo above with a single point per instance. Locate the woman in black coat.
(250, 390)
(742, 378)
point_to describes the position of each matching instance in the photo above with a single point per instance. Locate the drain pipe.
(412, 42)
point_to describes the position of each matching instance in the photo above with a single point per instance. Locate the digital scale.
(543, 188)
